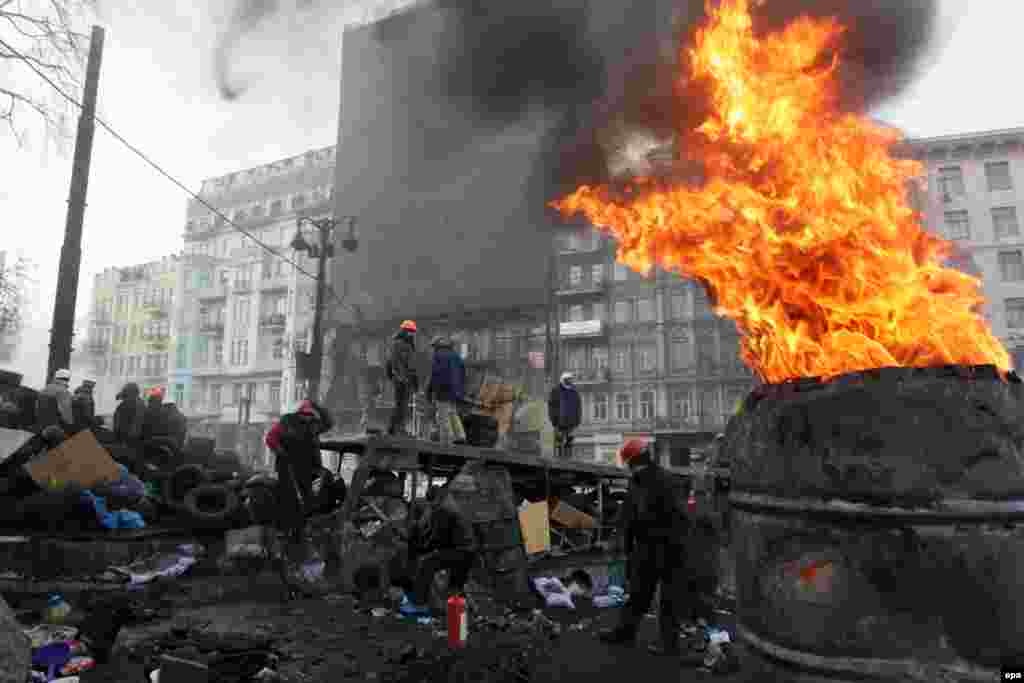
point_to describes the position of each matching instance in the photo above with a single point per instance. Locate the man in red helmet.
(402, 373)
(654, 527)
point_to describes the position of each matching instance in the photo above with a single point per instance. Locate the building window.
(1015, 313)
(599, 408)
(597, 273)
(215, 396)
(576, 313)
(701, 301)
(218, 353)
(1004, 220)
(951, 182)
(240, 352)
(179, 394)
(276, 207)
(645, 310)
(277, 349)
(680, 403)
(677, 305)
(599, 311)
(240, 314)
(958, 226)
(599, 358)
(575, 276)
(621, 272)
(648, 358)
(623, 407)
(1011, 265)
(997, 175)
(679, 354)
(647, 405)
(274, 395)
(236, 394)
(623, 311)
(620, 360)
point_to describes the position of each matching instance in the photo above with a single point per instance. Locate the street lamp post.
(325, 250)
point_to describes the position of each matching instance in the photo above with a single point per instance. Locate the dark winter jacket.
(401, 367)
(128, 418)
(83, 406)
(448, 375)
(297, 435)
(443, 527)
(54, 406)
(653, 511)
(565, 409)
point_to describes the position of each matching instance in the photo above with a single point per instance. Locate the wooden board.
(79, 460)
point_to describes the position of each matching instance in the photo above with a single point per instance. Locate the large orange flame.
(802, 228)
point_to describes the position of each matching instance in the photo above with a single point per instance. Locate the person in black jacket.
(443, 538)
(565, 410)
(83, 406)
(295, 442)
(655, 527)
(402, 373)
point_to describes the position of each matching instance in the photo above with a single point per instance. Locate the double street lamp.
(322, 251)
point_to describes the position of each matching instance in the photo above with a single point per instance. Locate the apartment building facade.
(243, 309)
(129, 335)
(9, 335)
(973, 195)
(652, 359)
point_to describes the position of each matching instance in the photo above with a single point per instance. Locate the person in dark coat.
(54, 403)
(295, 442)
(442, 539)
(129, 415)
(83, 406)
(655, 527)
(565, 410)
(446, 390)
(402, 373)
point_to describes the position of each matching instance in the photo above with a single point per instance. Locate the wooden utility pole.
(63, 328)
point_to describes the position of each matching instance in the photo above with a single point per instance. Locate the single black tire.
(185, 479)
(211, 505)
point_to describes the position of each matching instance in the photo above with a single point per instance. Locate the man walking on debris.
(402, 373)
(446, 391)
(129, 415)
(654, 530)
(442, 538)
(54, 404)
(295, 442)
(566, 412)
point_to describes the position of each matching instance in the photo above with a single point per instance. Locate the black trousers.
(652, 563)
(294, 492)
(401, 412)
(457, 562)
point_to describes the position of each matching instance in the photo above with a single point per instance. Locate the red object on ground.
(691, 503)
(458, 622)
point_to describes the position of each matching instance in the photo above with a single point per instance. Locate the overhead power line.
(159, 169)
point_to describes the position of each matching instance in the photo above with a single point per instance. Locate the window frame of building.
(623, 312)
(956, 225)
(575, 276)
(647, 357)
(647, 405)
(680, 403)
(680, 353)
(576, 313)
(179, 394)
(216, 396)
(950, 181)
(620, 272)
(597, 274)
(599, 407)
(274, 394)
(620, 360)
(599, 311)
(677, 305)
(1011, 265)
(998, 182)
(276, 207)
(623, 406)
(599, 358)
(1014, 311)
(1004, 222)
(646, 309)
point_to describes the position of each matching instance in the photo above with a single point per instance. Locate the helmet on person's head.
(633, 451)
(53, 435)
(306, 408)
(567, 378)
(62, 375)
(408, 325)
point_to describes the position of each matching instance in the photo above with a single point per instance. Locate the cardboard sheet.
(534, 523)
(571, 518)
(79, 460)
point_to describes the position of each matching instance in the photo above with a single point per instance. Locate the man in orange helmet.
(402, 373)
(654, 528)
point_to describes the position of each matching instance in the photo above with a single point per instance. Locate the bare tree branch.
(46, 35)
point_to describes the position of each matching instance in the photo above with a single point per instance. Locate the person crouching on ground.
(402, 373)
(446, 390)
(655, 527)
(295, 442)
(442, 538)
(565, 412)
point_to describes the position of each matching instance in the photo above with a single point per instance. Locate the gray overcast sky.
(157, 89)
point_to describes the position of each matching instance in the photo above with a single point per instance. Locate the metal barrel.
(878, 525)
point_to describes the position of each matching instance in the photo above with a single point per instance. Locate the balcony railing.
(592, 375)
(582, 288)
(274, 320)
(581, 329)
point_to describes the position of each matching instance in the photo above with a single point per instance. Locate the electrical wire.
(139, 153)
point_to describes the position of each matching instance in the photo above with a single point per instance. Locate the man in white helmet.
(54, 404)
(565, 411)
